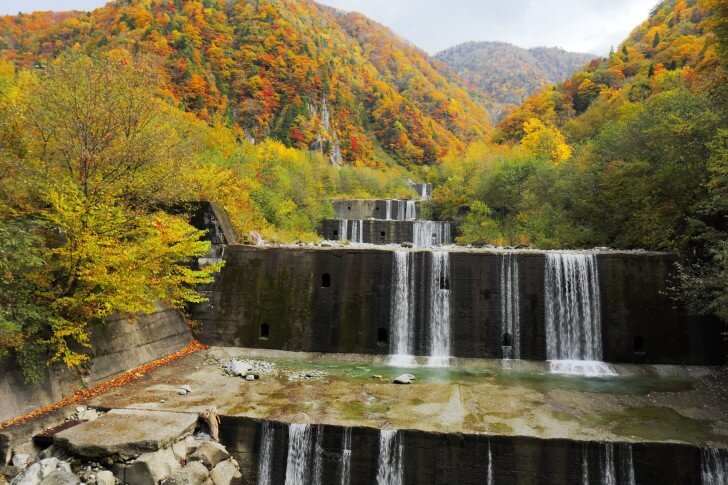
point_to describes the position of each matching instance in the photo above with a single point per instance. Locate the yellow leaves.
(546, 141)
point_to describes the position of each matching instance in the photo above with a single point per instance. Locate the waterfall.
(430, 233)
(490, 466)
(510, 306)
(402, 339)
(357, 231)
(714, 466)
(584, 467)
(343, 229)
(410, 211)
(345, 469)
(318, 463)
(390, 468)
(299, 454)
(439, 314)
(388, 215)
(609, 474)
(265, 456)
(573, 314)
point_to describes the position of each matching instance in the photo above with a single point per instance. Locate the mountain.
(509, 74)
(305, 74)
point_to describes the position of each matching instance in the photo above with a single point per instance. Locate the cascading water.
(343, 229)
(357, 232)
(390, 468)
(402, 341)
(265, 460)
(490, 466)
(388, 210)
(299, 454)
(345, 467)
(609, 473)
(430, 233)
(510, 307)
(410, 211)
(573, 314)
(714, 466)
(318, 453)
(439, 314)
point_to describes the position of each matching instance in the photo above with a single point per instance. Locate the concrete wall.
(117, 346)
(282, 288)
(381, 231)
(367, 209)
(463, 459)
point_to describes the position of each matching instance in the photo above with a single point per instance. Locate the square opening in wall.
(325, 280)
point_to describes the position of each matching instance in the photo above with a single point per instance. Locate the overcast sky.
(577, 25)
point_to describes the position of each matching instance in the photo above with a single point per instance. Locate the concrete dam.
(388, 355)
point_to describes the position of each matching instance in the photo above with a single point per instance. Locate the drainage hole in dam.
(336, 234)
(507, 340)
(382, 335)
(639, 344)
(325, 280)
(264, 331)
(382, 233)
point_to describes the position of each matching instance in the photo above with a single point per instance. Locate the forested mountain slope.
(293, 70)
(507, 73)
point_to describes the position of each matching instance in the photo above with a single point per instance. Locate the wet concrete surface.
(643, 404)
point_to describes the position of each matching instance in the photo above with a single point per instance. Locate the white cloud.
(576, 25)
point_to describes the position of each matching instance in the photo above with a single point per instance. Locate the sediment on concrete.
(339, 300)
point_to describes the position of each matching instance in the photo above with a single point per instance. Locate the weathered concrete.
(385, 232)
(371, 209)
(126, 432)
(337, 300)
(117, 346)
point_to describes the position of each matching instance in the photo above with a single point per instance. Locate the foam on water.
(390, 466)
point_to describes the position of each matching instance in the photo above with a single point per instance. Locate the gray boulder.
(60, 477)
(404, 379)
(195, 473)
(105, 477)
(227, 473)
(210, 454)
(151, 468)
(35, 473)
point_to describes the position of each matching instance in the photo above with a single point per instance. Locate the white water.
(390, 468)
(388, 211)
(402, 340)
(490, 466)
(343, 229)
(265, 457)
(318, 453)
(510, 305)
(573, 314)
(714, 466)
(430, 233)
(357, 232)
(584, 467)
(609, 473)
(439, 314)
(299, 454)
(345, 468)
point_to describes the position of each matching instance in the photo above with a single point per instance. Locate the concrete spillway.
(352, 301)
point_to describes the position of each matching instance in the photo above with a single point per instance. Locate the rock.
(407, 244)
(151, 468)
(35, 473)
(195, 473)
(9, 472)
(126, 432)
(404, 379)
(238, 368)
(186, 388)
(88, 415)
(210, 454)
(105, 477)
(60, 477)
(226, 473)
(20, 460)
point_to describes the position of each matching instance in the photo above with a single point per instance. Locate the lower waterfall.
(439, 311)
(390, 466)
(265, 457)
(357, 232)
(299, 454)
(318, 453)
(343, 229)
(401, 321)
(714, 466)
(510, 307)
(573, 314)
(345, 466)
(490, 466)
(610, 474)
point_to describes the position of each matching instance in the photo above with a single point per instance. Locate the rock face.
(49, 468)
(210, 454)
(126, 432)
(151, 468)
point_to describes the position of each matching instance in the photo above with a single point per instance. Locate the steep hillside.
(673, 46)
(509, 74)
(290, 69)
